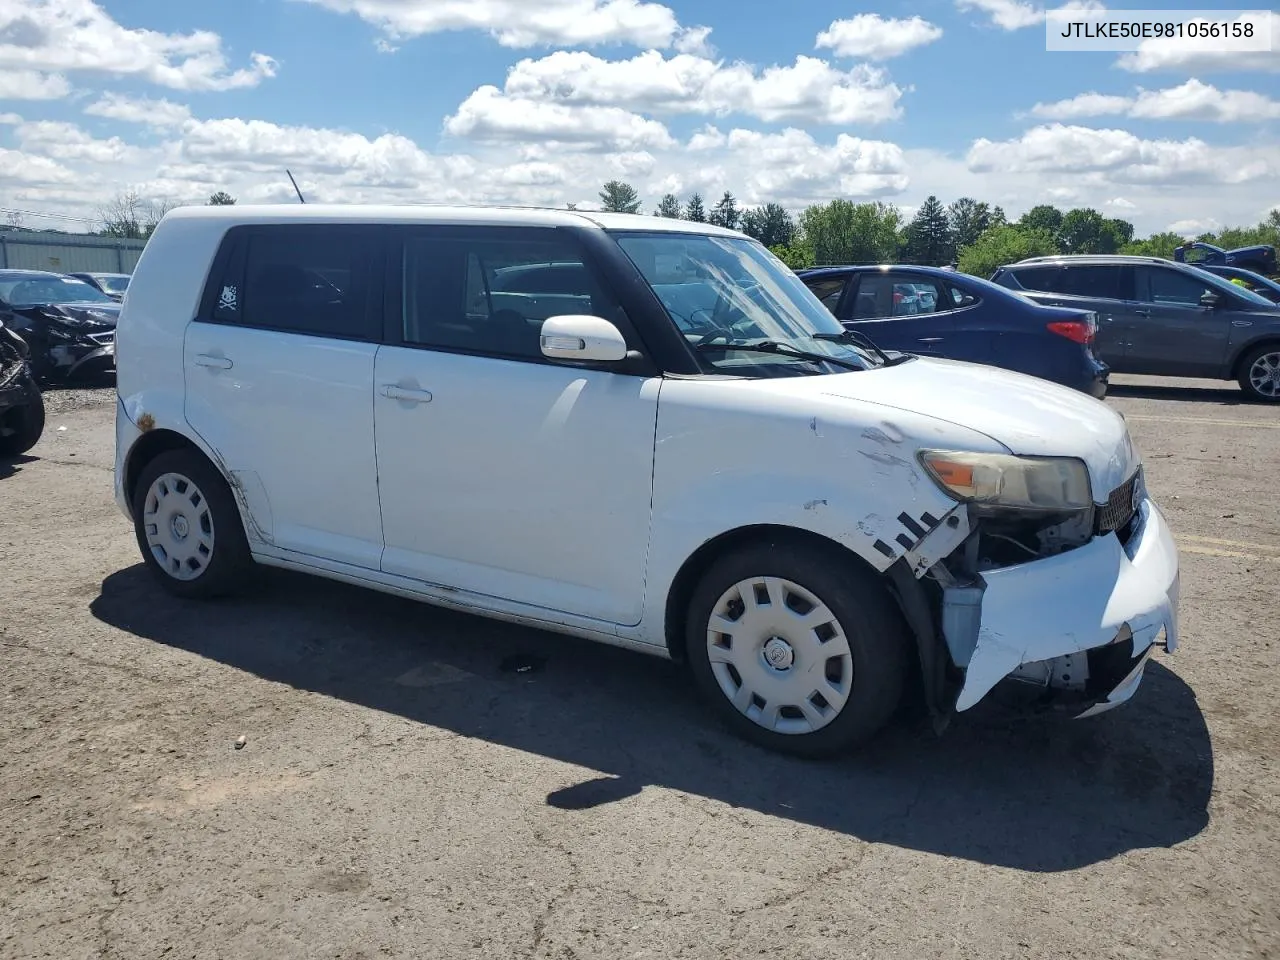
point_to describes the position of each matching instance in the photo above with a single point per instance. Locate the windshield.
(725, 292)
(30, 291)
(114, 284)
(1226, 286)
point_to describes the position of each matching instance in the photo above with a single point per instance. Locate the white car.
(642, 431)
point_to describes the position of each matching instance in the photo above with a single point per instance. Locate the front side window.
(1170, 288)
(828, 290)
(311, 279)
(492, 295)
(727, 296)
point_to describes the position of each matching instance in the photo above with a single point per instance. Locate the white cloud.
(810, 90)
(1194, 227)
(144, 110)
(1006, 14)
(66, 142)
(708, 138)
(1123, 157)
(523, 23)
(1192, 100)
(32, 85)
(489, 115)
(1120, 203)
(17, 167)
(872, 37)
(791, 167)
(1185, 55)
(74, 35)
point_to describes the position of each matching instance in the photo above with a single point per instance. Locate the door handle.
(1242, 323)
(394, 392)
(930, 340)
(1142, 313)
(208, 360)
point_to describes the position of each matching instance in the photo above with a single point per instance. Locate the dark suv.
(1160, 317)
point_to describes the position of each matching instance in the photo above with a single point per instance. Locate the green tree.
(842, 232)
(221, 199)
(1156, 245)
(969, 219)
(929, 235)
(998, 219)
(695, 210)
(725, 212)
(1085, 230)
(1121, 232)
(1045, 217)
(797, 255)
(619, 197)
(669, 207)
(770, 224)
(1002, 245)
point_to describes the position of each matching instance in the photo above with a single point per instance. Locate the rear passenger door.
(1106, 289)
(1173, 333)
(502, 473)
(279, 384)
(914, 313)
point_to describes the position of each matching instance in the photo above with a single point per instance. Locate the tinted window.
(1037, 278)
(492, 295)
(1091, 280)
(828, 290)
(308, 279)
(1156, 285)
(882, 295)
(963, 298)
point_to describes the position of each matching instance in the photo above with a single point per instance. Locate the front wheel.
(21, 427)
(1260, 373)
(188, 527)
(798, 650)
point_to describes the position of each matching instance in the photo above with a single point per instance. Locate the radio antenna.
(295, 187)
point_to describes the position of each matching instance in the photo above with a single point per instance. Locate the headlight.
(1045, 484)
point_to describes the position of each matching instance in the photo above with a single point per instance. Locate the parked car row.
(1072, 319)
(68, 324)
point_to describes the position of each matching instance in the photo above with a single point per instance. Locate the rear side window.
(1038, 278)
(312, 279)
(1092, 280)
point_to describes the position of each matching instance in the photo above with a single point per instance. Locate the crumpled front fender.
(1076, 601)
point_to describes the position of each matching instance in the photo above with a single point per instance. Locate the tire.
(21, 427)
(777, 664)
(1260, 373)
(205, 553)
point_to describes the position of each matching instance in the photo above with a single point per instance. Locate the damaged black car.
(21, 405)
(68, 325)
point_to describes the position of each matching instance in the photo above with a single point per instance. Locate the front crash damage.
(1074, 606)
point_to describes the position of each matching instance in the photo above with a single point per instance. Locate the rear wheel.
(22, 426)
(1260, 373)
(188, 527)
(796, 649)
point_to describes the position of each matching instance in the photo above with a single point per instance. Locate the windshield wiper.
(781, 348)
(852, 336)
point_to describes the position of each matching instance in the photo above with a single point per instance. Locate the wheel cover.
(178, 526)
(1264, 375)
(779, 655)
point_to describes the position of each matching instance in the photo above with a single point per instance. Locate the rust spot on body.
(146, 422)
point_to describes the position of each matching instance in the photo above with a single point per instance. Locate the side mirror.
(1210, 299)
(582, 337)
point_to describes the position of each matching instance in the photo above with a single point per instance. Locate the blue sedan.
(935, 312)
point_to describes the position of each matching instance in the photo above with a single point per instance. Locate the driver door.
(1171, 333)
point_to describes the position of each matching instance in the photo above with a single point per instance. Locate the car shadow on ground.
(1228, 395)
(1041, 794)
(11, 465)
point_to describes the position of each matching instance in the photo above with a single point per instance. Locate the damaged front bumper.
(1082, 624)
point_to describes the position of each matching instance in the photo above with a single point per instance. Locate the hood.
(91, 314)
(1025, 414)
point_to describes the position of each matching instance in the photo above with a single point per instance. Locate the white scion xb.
(642, 431)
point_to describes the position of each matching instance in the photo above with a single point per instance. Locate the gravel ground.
(403, 791)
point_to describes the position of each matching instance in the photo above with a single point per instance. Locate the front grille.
(1116, 513)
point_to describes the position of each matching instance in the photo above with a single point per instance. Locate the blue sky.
(519, 102)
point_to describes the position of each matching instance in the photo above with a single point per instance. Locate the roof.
(29, 273)
(1091, 258)
(882, 267)
(432, 213)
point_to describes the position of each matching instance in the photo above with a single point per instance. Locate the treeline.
(975, 236)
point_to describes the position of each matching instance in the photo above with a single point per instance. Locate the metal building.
(67, 252)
